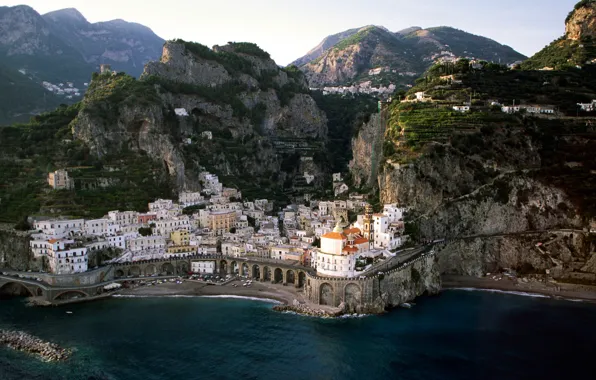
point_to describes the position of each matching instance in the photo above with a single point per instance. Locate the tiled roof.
(334, 236)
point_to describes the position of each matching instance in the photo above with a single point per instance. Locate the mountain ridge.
(400, 56)
(62, 47)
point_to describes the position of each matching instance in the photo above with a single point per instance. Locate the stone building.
(59, 180)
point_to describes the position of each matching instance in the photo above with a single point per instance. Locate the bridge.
(13, 285)
(263, 269)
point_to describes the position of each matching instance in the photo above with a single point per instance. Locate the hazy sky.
(288, 29)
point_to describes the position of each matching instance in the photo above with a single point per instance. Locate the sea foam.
(523, 294)
(269, 300)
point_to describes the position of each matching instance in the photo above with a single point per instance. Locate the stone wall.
(79, 279)
(378, 293)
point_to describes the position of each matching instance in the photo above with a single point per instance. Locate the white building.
(187, 199)
(461, 108)
(100, 227)
(336, 257)
(65, 257)
(59, 228)
(161, 204)
(144, 243)
(166, 227)
(202, 267)
(393, 212)
(588, 107)
(124, 218)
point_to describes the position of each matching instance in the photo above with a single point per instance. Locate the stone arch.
(183, 268)
(70, 294)
(15, 289)
(134, 271)
(301, 279)
(168, 269)
(278, 275)
(266, 273)
(352, 295)
(150, 269)
(290, 277)
(119, 273)
(326, 294)
(223, 267)
(256, 271)
(38, 292)
(234, 266)
(245, 269)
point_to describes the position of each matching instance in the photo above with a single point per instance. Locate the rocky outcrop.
(177, 64)
(45, 351)
(257, 114)
(495, 195)
(581, 23)
(367, 151)
(15, 252)
(565, 254)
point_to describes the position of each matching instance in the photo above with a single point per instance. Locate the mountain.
(125, 46)
(230, 110)
(576, 47)
(373, 53)
(505, 190)
(62, 47)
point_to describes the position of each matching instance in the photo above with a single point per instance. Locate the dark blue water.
(457, 335)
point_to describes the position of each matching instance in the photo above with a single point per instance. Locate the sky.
(289, 29)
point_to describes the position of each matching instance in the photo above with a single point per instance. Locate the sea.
(459, 334)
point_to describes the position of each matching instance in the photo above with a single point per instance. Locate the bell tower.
(369, 225)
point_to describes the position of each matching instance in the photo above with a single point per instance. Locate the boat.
(69, 312)
(406, 305)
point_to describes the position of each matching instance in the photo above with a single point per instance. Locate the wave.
(513, 292)
(244, 297)
(269, 300)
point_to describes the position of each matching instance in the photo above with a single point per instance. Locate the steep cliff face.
(576, 47)
(256, 113)
(581, 23)
(14, 251)
(367, 151)
(484, 192)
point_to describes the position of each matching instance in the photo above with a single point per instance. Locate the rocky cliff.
(261, 117)
(14, 251)
(581, 22)
(367, 151)
(495, 194)
(574, 49)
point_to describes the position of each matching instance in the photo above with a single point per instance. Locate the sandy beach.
(277, 292)
(504, 283)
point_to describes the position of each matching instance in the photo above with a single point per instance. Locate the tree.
(145, 231)
(23, 225)
(317, 243)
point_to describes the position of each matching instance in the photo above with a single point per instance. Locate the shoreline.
(555, 291)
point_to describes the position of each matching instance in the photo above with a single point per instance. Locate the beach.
(508, 284)
(264, 290)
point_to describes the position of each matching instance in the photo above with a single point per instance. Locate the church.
(338, 252)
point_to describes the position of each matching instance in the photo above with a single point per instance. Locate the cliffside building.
(59, 180)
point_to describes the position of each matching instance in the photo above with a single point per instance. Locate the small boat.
(69, 312)
(406, 305)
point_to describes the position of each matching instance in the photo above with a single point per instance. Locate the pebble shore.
(46, 351)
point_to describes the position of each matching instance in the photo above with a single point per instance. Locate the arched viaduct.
(276, 271)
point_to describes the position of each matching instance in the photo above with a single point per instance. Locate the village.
(339, 238)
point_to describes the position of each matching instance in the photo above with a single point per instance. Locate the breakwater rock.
(20, 341)
(303, 309)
